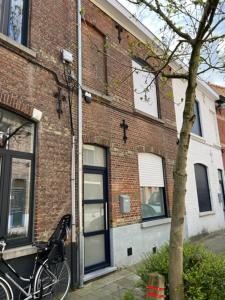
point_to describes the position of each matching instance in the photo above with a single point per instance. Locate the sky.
(154, 25)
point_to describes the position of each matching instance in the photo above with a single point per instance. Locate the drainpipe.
(73, 198)
(80, 260)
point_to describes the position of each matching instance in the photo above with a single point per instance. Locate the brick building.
(123, 194)
(36, 161)
(129, 143)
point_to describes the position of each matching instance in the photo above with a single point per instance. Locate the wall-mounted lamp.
(87, 96)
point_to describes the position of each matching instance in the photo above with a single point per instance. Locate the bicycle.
(50, 278)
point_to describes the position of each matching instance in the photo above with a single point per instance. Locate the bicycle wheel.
(53, 280)
(4, 292)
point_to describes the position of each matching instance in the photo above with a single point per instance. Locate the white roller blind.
(144, 100)
(150, 170)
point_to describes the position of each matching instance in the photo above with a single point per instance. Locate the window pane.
(221, 186)
(94, 250)
(196, 129)
(152, 202)
(94, 156)
(93, 217)
(19, 205)
(220, 174)
(15, 20)
(145, 95)
(202, 188)
(93, 187)
(23, 139)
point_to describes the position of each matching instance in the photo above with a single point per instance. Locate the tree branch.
(213, 28)
(208, 13)
(175, 75)
(158, 11)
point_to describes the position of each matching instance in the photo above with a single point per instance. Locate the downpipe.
(80, 260)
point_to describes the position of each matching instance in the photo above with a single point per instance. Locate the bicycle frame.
(30, 294)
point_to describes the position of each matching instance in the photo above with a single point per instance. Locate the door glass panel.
(93, 217)
(94, 156)
(93, 186)
(19, 205)
(94, 252)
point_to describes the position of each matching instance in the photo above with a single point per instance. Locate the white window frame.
(142, 99)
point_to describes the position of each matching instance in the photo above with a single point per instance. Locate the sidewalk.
(213, 241)
(110, 287)
(113, 286)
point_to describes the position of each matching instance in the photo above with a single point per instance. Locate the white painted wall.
(142, 240)
(205, 150)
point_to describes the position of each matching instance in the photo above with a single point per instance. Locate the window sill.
(16, 47)
(206, 213)
(198, 138)
(217, 146)
(97, 94)
(154, 223)
(150, 117)
(19, 252)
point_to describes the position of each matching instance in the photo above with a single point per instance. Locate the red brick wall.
(221, 119)
(94, 58)
(221, 126)
(28, 83)
(102, 120)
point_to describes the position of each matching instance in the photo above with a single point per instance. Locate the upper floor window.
(202, 185)
(221, 187)
(17, 136)
(13, 19)
(152, 186)
(197, 129)
(145, 92)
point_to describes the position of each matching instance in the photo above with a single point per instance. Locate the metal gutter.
(80, 261)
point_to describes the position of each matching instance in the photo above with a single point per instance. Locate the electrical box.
(124, 204)
(67, 56)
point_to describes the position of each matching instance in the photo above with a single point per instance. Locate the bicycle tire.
(45, 277)
(5, 290)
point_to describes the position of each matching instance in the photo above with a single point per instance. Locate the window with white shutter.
(152, 186)
(145, 94)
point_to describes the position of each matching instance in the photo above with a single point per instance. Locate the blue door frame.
(106, 262)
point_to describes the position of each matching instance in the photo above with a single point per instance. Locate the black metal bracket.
(125, 128)
(120, 30)
(60, 97)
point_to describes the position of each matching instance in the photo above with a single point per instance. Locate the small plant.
(204, 271)
(128, 295)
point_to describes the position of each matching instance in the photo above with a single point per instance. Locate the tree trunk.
(176, 287)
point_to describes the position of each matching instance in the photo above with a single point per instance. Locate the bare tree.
(193, 32)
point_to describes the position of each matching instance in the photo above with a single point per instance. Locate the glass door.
(96, 232)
